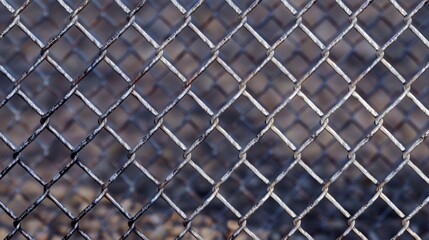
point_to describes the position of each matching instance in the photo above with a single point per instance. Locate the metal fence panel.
(230, 119)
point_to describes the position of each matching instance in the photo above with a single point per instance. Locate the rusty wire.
(214, 119)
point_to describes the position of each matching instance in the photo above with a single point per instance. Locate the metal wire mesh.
(213, 119)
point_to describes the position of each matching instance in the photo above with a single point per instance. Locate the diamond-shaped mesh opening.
(243, 53)
(335, 20)
(298, 53)
(352, 190)
(271, 19)
(132, 189)
(131, 52)
(352, 121)
(159, 86)
(104, 221)
(19, 52)
(379, 156)
(297, 121)
(55, 155)
(103, 86)
(298, 189)
(270, 221)
(75, 52)
(379, 220)
(379, 88)
(381, 20)
(188, 189)
(360, 54)
(75, 190)
(215, 164)
(187, 121)
(160, 155)
(103, 26)
(157, 219)
(209, 224)
(103, 155)
(187, 51)
(131, 120)
(408, 54)
(327, 215)
(270, 155)
(45, 18)
(18, 120)
(324, 87)
(242, 195)
(410, 197)
(46, 221)
(160, 19)
(215, 19)
(270, 86)
(215, 86)
(45, 86)
(242, 120)
(19, 190)
(406, 130)
(74, 120)
(324, 155)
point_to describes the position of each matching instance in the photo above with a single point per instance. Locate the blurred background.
(47, 191)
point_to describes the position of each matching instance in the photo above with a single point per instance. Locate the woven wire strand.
(212, 119)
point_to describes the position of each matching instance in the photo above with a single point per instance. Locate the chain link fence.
(274, 119)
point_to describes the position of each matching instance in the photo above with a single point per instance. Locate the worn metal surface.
(214, 119)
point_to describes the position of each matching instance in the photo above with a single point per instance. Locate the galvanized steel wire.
(214, 119)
